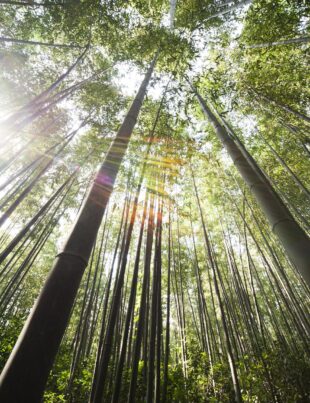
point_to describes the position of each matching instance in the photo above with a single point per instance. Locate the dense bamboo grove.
(154, 197)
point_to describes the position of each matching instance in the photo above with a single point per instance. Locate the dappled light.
(154, 201)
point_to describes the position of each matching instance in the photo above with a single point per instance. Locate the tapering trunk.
(28, 42)
(284, 107)
(143, 310)
(167, 339)
(31, 3)
(293, 238)
(39, 341)
(32, 107)
(295, 178)
(121, 360)
(26, 228)
(154, 314)
(216, 274)
(224, 12)
(304, 39)
(47, 162)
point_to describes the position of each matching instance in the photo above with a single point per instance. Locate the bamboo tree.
(155, 294)
(293, 238)
(157, 391)
(215, 272)
(121, 360)
(44, 323)
(284, 107)
(31, 4)
(167, 338)
(141, 328)
(46, 164)
(30, 107)
(28, 42)
(298, 182)
(224, 12)
(26, 228)
(291, 41)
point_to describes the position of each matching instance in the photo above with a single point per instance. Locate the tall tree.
(293, 238)
(45, 324)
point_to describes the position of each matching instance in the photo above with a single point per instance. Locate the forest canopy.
(154, 201)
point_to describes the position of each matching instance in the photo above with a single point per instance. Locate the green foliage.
(253, 88)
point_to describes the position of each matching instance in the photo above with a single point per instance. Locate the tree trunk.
(141, 326)
(30, 4)
(285, 108)
(223, 12)
(293, 238)
(129, 315)
(51, 45)
(167, 339)
(295, 178)
(25, 374)
(304, 39)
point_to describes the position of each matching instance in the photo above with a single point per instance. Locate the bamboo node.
(68, 253)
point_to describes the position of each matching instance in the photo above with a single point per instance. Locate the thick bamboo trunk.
(293, 238)
(25, 374)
